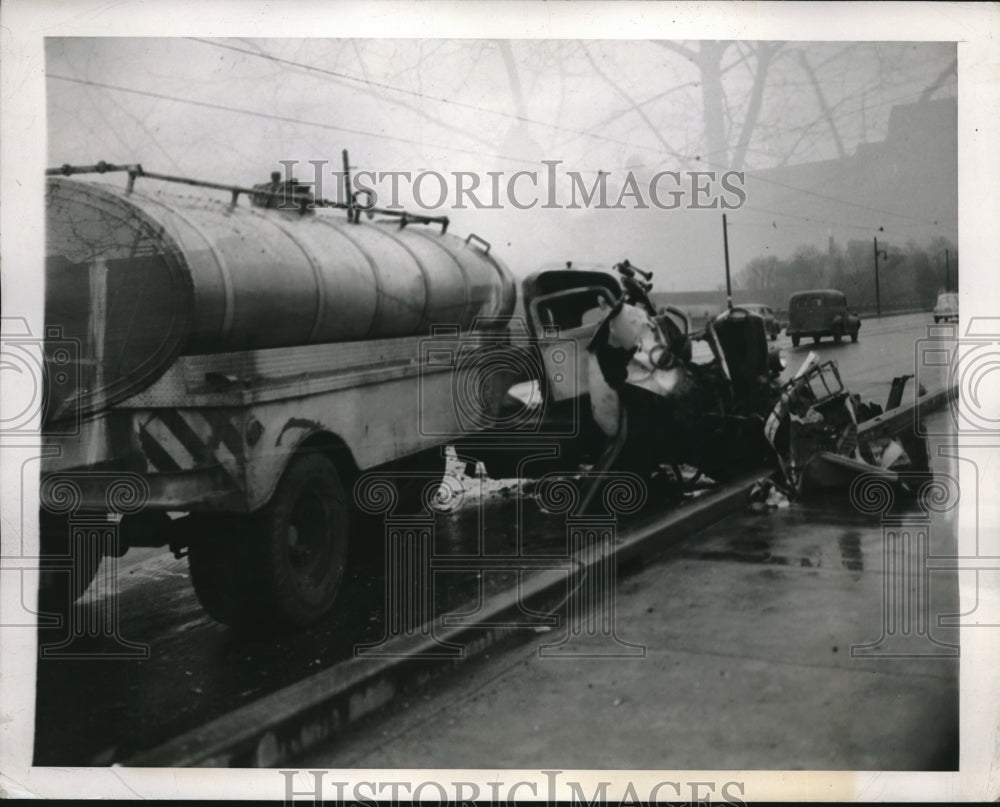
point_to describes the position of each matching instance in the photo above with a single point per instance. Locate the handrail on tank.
(135, 170)
(483, 241)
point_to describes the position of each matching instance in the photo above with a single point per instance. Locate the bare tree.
(708, 57)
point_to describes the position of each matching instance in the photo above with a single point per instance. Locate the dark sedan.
(819, 313)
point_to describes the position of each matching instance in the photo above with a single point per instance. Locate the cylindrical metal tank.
(135, 279)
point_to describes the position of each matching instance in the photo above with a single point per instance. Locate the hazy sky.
(229, 109)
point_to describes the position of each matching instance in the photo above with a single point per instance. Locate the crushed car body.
(645, 406)
(814, 428)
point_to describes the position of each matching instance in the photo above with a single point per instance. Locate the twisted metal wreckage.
(660, 410)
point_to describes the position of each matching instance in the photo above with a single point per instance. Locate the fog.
(832, 140)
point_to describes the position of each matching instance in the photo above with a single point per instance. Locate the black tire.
(795, 340)
(836, 338)
(774, 336)
(936, 320)
(216, 563)
(854, 337)
(58, 586)
(816, 339)
(283, 566)
(300, 551)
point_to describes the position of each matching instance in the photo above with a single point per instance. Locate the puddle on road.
(850, 550)
(822, 533)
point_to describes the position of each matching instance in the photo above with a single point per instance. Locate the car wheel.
(836, 338)
(937, 320)
(816, 340)
(795, 340)
(854, 337)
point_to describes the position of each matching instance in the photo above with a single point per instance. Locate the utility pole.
(725, 245)
(947, 272)
(878, 302)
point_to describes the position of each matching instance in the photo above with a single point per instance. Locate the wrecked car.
(814, 428)
(615, 387)
(630, 397)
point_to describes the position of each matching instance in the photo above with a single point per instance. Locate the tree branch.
(804, 60)
(631, 102)
(935, 85)
(684, 51)
(764, 55)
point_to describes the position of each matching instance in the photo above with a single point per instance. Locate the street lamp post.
(878, 302)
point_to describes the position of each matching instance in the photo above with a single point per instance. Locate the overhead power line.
(446, 148)
(271, 116)
(417, 94)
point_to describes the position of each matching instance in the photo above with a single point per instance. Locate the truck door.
(570, 314)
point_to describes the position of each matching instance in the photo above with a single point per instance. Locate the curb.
(311, 711)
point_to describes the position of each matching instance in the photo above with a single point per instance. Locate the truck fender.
(311, 436)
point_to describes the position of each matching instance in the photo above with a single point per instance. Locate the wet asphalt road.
(99, 710)
(769, 644)
(886, 347)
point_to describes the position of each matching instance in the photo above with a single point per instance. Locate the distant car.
(819, 313)
(770, 321)
(946, 309)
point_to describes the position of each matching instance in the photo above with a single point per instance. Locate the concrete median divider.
(279, 726)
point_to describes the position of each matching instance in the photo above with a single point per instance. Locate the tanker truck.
(221, 371)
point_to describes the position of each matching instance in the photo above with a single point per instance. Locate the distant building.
(913, 173)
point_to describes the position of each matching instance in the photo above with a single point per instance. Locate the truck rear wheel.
(300, 549)
(288, 566)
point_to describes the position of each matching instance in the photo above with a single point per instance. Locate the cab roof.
(818, 293)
